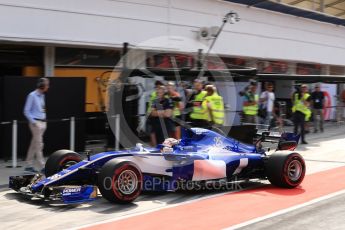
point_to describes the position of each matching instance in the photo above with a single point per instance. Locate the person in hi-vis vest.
(251, 105)
(215, 106)
(302, 113)
(198, 116)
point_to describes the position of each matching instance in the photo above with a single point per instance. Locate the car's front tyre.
(285, 170)
(120, 181)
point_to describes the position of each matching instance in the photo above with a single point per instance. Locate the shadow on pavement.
(104, 207)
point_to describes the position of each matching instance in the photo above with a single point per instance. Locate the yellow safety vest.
(217, 107)
(153, 96)
(252, 109)
(299, 106)
(176, 111)
(199, 111)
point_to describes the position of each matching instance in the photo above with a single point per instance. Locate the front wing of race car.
(68, 194)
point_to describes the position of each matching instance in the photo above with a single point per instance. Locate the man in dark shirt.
(318, 103)
(161, 116)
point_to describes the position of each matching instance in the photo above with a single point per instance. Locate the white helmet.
(170, 142)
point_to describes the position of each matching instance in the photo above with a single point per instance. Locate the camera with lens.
(298, 90)
(245, 92)
(297, 87)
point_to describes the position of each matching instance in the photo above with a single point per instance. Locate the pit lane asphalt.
(328, 214)
(324, 152)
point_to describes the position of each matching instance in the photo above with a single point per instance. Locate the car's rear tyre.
(120, 181)
(285, 170)
(60, 160)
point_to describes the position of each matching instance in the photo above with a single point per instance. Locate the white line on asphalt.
(165, 207)
(192, 201)
(283, 211)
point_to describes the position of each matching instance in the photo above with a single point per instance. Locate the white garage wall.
(260, 33)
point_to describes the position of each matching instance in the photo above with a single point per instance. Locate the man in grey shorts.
(318, 99)
(35, 112)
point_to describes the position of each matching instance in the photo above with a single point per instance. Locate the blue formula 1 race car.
(201, 156)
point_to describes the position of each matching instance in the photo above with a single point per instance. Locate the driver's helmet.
(170, 142)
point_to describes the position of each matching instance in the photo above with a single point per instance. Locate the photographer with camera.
(250, 103)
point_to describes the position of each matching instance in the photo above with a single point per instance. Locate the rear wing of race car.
(285, 140)
(286, 136)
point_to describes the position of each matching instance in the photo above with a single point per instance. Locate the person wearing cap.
(251, 105)
(178, 107)
(318, 98)
(198, 116)
(161, 116)
(35, 112)
(215, 106)
(302, 113)
(153, 96)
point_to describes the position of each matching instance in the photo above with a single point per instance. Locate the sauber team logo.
(218, 142)
(199, 131)
(54, 177)
(71, 190)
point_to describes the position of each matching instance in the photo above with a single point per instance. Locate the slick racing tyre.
(285, 170)
(60, 160)
(120, 181)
